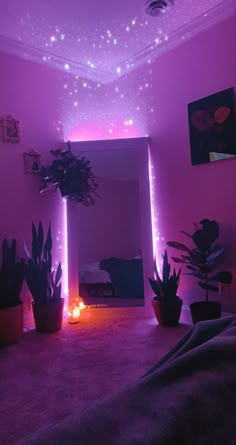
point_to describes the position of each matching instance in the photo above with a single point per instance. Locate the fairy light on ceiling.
(109, 41)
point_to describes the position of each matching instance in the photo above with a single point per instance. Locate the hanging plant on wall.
(70, 174)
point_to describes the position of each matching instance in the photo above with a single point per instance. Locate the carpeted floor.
(47, 377)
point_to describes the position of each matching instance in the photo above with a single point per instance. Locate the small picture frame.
(10, 131)
(32, 162)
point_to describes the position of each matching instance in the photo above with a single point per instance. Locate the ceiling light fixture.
(157, 7)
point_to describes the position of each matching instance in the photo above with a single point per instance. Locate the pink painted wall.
(110, 228)
(187, 193)
(29, 93)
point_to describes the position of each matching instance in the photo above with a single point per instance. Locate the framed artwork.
(32, 162)
(10, 131)
(212, 127)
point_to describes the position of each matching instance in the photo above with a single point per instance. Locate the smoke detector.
(157, 7)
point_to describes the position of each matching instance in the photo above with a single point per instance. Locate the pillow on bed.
(100, 276)
(91, 273)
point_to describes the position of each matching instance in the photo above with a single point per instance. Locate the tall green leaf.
(49, 238)
(34, 243)
(13, 250)
(58, 274)
(40, 239)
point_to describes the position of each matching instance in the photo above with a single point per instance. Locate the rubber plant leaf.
(204, 285)
(215, 254)
(177, 245)
(186, 233)
(206, 237)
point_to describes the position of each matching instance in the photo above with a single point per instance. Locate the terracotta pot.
(205, 310)
(167, 314)
(48, 316)
(11, 324)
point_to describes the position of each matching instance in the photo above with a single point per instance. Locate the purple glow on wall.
(107, 112)
(90, 132)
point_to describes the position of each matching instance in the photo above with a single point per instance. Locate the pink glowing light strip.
(156, 237)
(65, 255)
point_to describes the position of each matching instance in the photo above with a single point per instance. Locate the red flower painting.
(212, 127)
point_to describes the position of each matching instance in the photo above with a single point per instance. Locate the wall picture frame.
(212, 127)
(32, 162)
(10, 130)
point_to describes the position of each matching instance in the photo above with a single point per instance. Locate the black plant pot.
(203, 310)
(48, 316)
(167, 314)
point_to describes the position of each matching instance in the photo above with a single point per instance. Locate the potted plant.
(11, 307)
(44, 283)
(166, 304)
(70, 174)
(202, 261)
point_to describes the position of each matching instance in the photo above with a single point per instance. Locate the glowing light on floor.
(74, 310)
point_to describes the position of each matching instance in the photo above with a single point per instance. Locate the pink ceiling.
(100, 40)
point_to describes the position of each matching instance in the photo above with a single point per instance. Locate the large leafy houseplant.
(70, 174)
(166, 304)
(202, 261)
(43, 282)
(12, 274)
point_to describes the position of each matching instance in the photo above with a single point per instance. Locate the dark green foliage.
(165, 289)
(11, 276)
(202, 260)
(72, 175)
(39, 274)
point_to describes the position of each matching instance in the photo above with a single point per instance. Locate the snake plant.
(43, 282)
(165, 288)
